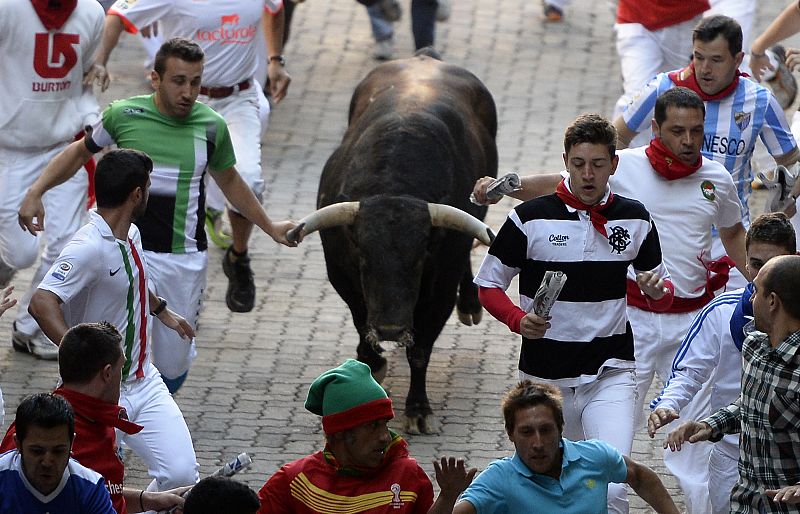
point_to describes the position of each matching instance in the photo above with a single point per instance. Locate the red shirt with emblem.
(314, 485)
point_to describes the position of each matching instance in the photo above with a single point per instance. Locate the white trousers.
(603, 410)
(690, 468)
(643, 54)
(243, 112)
(65, 206)
(657, 337)
(164, 444)
(723, 475)
(690, 465)
(180, 279)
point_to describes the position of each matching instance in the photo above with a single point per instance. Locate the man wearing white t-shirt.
(739, 111)
(227, 31)
(101, 275)
(47, 49)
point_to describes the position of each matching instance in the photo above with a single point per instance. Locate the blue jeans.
(423, 22)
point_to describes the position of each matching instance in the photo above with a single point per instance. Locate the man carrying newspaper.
(584, 345)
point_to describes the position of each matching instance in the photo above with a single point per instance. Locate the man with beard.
(102, 276)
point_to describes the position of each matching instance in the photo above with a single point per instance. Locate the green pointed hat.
(348, 396)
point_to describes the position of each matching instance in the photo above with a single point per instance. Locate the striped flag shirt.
(102, 278)
(182, 150)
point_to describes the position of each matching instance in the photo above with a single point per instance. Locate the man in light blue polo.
(550, 472)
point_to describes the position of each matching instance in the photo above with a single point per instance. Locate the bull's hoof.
(470, 318)
(420, 424)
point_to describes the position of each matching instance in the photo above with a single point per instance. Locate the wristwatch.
(278, 58)
(162, 304)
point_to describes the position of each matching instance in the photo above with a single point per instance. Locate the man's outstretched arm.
(648, 486)
(59, 170)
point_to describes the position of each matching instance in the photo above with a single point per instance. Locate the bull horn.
(447, 216)
(333, 215)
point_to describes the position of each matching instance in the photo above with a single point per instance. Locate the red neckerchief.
(686, 78)
(108, 414)
(598, 220)
(54, 13)
(667, 163)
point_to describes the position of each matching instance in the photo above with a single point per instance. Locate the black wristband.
(278, 58)
(162, 304)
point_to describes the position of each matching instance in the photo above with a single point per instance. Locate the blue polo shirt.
(508, 486)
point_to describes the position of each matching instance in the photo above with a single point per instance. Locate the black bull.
(420, 133)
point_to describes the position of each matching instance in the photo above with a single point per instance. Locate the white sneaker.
(36, 344)
(384, 50)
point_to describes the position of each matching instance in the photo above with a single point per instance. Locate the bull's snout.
(390, 332)
(400, 334)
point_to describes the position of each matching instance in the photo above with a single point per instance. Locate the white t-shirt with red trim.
(226, 30)
(102, 278)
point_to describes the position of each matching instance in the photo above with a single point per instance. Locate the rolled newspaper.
(549, 289)
(236, 465)
(504, 185)
(228, 470)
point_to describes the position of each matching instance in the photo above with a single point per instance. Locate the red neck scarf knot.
(54, 13)
(667, 163)
(686, 78)
(598, 220)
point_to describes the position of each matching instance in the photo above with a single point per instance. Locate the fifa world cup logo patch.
(397, 503)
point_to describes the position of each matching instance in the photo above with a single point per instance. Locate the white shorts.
(242, 113)
(181, 280)
(164, 444)
(65, 208)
